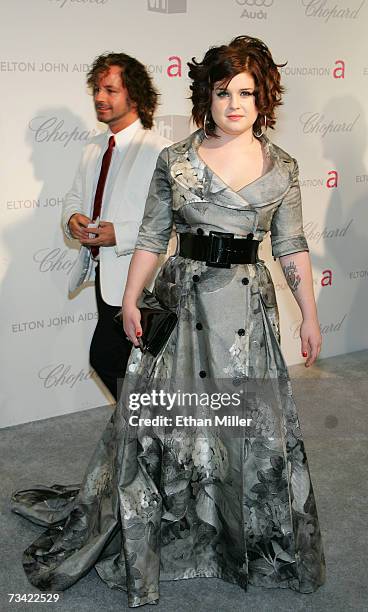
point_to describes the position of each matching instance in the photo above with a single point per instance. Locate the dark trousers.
(110, 350)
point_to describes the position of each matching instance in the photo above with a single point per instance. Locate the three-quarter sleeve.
(287, 235)
(155, 229)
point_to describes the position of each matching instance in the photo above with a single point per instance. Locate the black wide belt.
(219, 249)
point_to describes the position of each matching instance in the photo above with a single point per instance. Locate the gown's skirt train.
(169, 503)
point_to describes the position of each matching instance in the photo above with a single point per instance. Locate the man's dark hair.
(134, 77)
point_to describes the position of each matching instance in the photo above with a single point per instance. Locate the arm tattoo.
(292, 276)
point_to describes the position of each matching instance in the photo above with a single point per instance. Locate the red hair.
(221, 64)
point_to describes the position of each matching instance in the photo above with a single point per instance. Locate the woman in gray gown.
(166, 501)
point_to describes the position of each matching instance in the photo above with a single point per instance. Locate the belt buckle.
(219, 249)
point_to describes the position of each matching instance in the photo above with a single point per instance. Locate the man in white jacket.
(109, 192)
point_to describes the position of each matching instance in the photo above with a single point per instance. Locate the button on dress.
(168, 503)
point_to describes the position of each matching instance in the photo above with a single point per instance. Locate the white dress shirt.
(122, 142)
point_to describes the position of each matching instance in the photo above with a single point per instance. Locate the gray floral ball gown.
(182, 503)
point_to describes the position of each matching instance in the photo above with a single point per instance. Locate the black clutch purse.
(157, 324)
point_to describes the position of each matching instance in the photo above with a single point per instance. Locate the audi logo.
(258, 3)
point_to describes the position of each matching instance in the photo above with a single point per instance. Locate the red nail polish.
(138, 334)
(305, 354)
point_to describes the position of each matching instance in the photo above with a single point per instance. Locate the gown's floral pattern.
(161, 503)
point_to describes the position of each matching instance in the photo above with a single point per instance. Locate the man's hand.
(105, 235)
(77, 224)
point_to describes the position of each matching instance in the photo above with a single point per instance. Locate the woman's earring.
(204, 125)
(260, 133)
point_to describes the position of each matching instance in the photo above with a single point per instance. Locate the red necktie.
(101, 185)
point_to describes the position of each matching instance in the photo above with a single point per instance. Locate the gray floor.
(331, 400)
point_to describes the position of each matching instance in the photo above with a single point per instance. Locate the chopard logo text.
(315, 123)
(318, 8)
(53, 260)
(63, 3)
(62, 375)
(52, 129)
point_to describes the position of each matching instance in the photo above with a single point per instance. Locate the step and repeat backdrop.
(47, 116)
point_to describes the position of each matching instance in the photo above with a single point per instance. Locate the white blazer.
(132, 184)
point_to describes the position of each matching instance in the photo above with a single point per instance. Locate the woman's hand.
(141, 269)
(311, 338)
(132, 322)
(298, 273)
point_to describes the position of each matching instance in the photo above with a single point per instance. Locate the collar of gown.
(268, 188)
